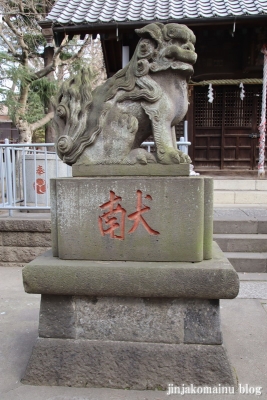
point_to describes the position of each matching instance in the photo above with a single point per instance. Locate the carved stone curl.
(147, 97)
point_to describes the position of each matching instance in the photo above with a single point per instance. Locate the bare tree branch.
(21, 7)
(43, 72)
(79, 54)
(42, 122)
(18, 34)
(50, 67)
(8, 43)
(60, 48)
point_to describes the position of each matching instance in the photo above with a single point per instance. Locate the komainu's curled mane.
(148, 96)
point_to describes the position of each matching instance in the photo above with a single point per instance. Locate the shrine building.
(225, 91)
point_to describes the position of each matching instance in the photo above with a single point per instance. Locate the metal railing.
(182, 145)
(25, 173)
(26, 170)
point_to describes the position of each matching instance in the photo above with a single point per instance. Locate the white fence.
(25, 173)
(26, 170)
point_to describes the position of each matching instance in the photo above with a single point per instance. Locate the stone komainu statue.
(147, 97)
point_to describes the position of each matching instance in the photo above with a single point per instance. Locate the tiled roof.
(101, 11)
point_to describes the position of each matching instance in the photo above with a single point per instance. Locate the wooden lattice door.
(226, 131)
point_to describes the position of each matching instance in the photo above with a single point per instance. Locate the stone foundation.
(156, 329)
(155, 320)
(209, 279)
(136, 343)
(126, 365)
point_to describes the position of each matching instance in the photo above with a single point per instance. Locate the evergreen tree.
(26, 85)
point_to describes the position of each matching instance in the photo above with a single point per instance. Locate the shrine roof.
(96, 12)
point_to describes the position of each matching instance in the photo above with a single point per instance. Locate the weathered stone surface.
(130, 319)
(57, 317)
(202, 323)
(131, 170)
(208, 218)
(157, 320)
(170, 227)
(209, 279)
(25, 225)
(147, 97)
(20, 254)
(27, 239)
(54, 228)
(126, 365)
(11, 264)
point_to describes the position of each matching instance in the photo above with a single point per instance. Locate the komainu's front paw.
(184, 158)
(172, 156)
(139, 156)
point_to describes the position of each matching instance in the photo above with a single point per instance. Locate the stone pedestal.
(150, 218)
(130, 325)
(130, 294)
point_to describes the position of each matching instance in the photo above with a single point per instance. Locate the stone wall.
(21, 240)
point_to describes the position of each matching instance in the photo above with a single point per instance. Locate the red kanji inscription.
(114, 217)
(110, 218)
(40, 186)
(137, 216)
(40, 170)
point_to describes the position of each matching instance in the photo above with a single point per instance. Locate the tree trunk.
(24, 92)
(25, 131)
(49, 131)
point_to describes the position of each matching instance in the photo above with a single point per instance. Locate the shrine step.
(242, 235)
(248, 262)
(243, 226)
(239, 242)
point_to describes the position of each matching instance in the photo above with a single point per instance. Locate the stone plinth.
(126, 365)
(130, 170)
(130, 325)
(135, 218)
(209, 279)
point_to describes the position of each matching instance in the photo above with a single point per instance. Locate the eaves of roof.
(92, 13)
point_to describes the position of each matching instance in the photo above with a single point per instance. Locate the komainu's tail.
(71, 106)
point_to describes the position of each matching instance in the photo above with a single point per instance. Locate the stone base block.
(209, 279)
(155, 320)
(83, 170)
(137, 325)
(126, 365)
